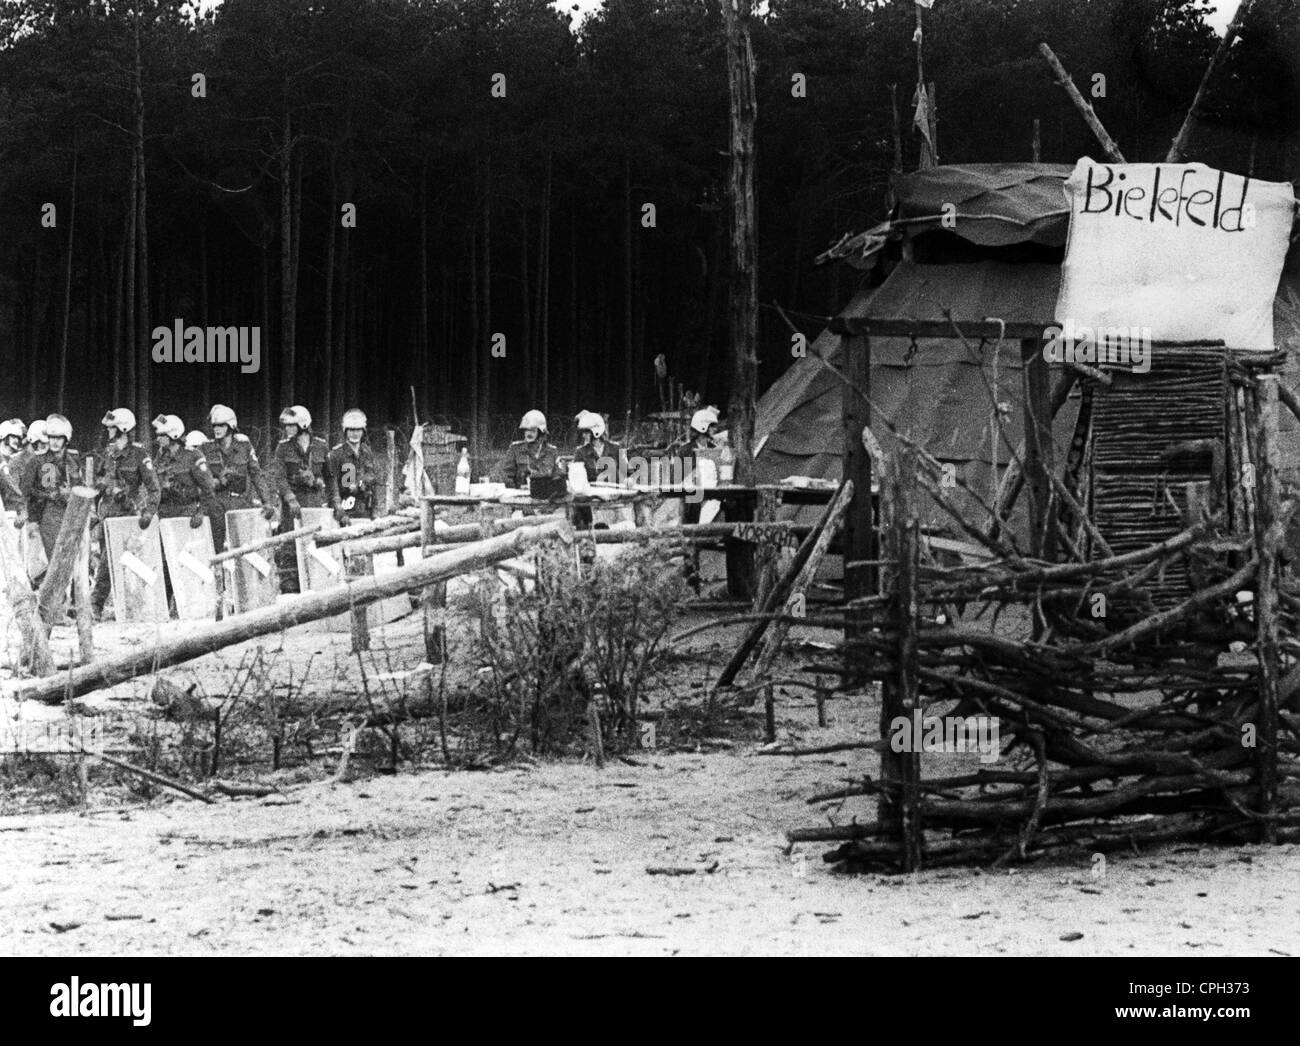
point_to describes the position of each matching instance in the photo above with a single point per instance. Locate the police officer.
(11, 445)
(299, 463)
(350, 472)
(184, 482)
(704, 423)
(128, 486)
(237, 475)
(47, 478)
(28, 537)
(601, 457)
(534, 455)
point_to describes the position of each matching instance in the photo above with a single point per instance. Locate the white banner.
(1178, 252)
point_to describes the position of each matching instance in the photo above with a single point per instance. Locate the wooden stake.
(22, 601)
(434, 598)
(1179, 146)
(1268, 537)
(53, 595)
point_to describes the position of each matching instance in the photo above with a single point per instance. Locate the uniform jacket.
(610, 465)
(183, 477)
(525, 460)
(235, 468)
(11, 481)
(351, 474)
(46, 479)
(300, 473)
(127, 481)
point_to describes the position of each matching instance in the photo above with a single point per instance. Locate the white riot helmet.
(36, 432)
(118, 418)
(12, 427)
(58, 425)
(196, 439)
(169, 425)
(220, 414)
(703, 418)
(534, 419)
(353, 419)
(296, 415)
(592, 422)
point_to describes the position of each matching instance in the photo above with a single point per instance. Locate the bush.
(581, 639)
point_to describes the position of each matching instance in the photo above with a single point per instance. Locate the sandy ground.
(553, 857)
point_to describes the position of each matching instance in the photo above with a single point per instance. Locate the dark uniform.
(609, 465)
(128, 486)
(351, 474)
(300, 474)
(47, 477)
(525, 460)
(11, 481)
(185, 484)
(237, 478)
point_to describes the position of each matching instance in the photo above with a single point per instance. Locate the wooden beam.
(1178, 148)
(433, 600)
(180, 645)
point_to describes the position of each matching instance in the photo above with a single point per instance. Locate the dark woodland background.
(519, 215)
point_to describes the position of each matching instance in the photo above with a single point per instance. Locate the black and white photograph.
(638, 478)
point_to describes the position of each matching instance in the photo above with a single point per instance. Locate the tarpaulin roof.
(994, 203)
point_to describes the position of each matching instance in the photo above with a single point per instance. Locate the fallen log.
(298, 610)
(257, 546)
(385, 525)
(455, 535)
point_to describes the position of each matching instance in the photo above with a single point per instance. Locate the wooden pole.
(1178, 148)
(1269, 533)
(433, 600)
(859, 524)
(1083, 105)
(22, 601)
(53, 595)
(185, 645)
(743, 286)
(258, 546)
(900, 694)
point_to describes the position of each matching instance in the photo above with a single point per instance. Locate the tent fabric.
(1016, 293)
(995, 203)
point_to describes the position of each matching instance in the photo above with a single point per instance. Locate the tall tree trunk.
(287, 370)
(421, 369)
(541, 323)
(744, 263)
(628, 332)
(119, 309)
(67, 283)
(269, 409)
(485, 385)
(525, 320)
(34, 354)
(127, 392)
(205, 387)
(295, 258)
(142, 333)
(476, 363)
(327, 381)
